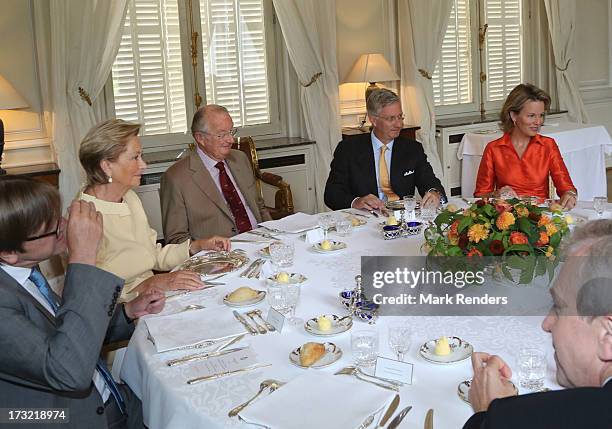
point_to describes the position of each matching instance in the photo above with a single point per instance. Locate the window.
(456, 77)
(152, 75)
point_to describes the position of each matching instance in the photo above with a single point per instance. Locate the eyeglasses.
(392, 118)
(221, 136)
(55, 232)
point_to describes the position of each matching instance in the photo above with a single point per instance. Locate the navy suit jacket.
(353, 173)
(583, 407)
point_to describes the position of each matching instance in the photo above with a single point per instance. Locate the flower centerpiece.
(524, 236)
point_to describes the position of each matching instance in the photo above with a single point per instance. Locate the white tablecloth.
(583, 147)
(168, 402)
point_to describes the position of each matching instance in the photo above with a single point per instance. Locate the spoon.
(192, 307)
(272, 384)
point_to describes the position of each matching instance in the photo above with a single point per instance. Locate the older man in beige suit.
(212, 191)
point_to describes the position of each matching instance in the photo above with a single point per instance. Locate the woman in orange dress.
(520, 162)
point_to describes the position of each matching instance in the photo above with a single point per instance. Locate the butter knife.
(249, 268)
(398, 419)
(226, 373)
(202, 356)
(246, 324)
(390, 411)
(429, 419)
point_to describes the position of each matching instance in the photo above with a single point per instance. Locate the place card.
(276, 319)
(267, 270)
(315, 236)
(392, 369)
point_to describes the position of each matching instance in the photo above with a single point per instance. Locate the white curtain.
(309, 30)
(85, 37)
(561, 23)
(422, 25)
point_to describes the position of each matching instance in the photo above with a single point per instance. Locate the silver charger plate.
(332, 354)
(335, 247)
(460, 351)
(294, 278)
(339, 325)
(213, 263)
(260, 296)
(463, 390)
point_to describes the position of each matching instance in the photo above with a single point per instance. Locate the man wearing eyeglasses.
(49, 344)
(369, 169)
(212, 191)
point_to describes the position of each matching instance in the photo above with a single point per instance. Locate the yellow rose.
(477, 232)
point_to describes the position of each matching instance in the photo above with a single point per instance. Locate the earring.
(110, 179)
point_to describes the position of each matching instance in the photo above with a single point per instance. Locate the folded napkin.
(321, 399)
(191, 327)
(296, 223)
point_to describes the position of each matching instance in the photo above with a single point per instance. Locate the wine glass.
(292, 292)
(409, 206)
(400, 339)
(326, 221)
(599, 204)
(281, 254)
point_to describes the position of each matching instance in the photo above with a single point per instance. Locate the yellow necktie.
(383, 175)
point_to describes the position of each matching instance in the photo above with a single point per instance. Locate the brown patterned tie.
(233, 199)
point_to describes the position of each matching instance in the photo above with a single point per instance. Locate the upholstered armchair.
(283, 199)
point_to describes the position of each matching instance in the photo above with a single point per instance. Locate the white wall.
(25, 131)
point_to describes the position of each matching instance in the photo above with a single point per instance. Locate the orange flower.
(544, 220)
(551, 229)
(474, 252)
(522, 211)
(518, 238)
(543, 240)
(453, 235)
(477, 232)
(505, 220)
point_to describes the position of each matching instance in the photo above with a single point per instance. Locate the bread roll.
(311, 353)
(242, 294)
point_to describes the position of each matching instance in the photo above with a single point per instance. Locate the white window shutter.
(452, 78)
(503, 47)
(148, 72)
(234, 49)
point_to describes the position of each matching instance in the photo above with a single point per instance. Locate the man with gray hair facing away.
(381, 165)
(580, 324)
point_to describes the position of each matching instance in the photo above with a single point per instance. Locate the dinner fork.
(351, 370)
(367, 422)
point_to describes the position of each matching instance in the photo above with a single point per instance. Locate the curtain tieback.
(425, 74)
(84, 95)
(313, 79)
(566, 65)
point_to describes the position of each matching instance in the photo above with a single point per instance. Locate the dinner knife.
(398, 419)
(246, 324)
(201, 356)
(390, 410)
(226, 373)
(429, 419)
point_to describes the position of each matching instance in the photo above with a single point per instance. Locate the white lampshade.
(9, 97)
(371, 68)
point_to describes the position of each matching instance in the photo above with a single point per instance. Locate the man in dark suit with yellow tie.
(580, 324)
(381, 165)
(50, 345)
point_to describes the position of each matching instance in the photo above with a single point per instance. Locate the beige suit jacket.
(192, 206)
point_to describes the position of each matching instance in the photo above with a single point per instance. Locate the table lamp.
(370, 68)
(9, 100)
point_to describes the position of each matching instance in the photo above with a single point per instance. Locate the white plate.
(335, 247)
(332, 354)
(294, 278)
(260, 296)
(339, 325)
(463, 390)
(460, 350)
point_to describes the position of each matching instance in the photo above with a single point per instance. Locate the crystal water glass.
(282, 254)
(344, 227)
(428, 213)
(277, 298)
(409, 206)
(293, 298)
(599, 204)
(532, 368)
(400, 339)
(364, 346)
(326, 221)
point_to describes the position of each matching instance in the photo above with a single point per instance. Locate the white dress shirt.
(21, 276)
(210, 163)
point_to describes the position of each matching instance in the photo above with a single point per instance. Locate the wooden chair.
(283, 199)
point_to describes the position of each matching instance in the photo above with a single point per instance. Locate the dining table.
(170, 402)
